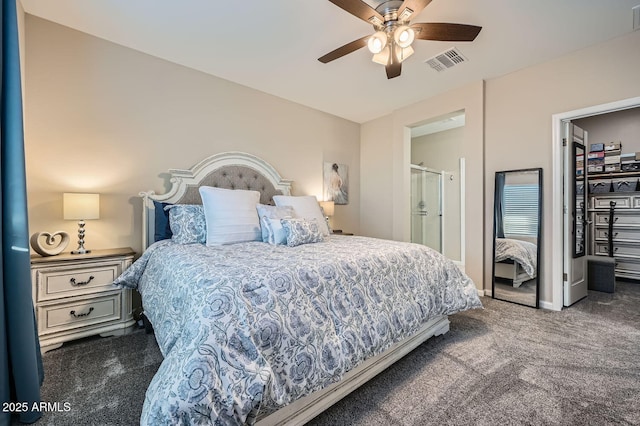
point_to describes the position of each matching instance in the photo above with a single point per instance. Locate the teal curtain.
(21, 371)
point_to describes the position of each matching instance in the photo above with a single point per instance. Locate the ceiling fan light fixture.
(404, 53)
(382, 57)
(377, 42)
(404, 36)
(405, 14)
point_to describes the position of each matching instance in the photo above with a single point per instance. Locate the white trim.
(442, 212)
(546, 305)
(557, 202)
(463, 208)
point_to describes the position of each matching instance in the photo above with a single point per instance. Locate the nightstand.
(73, 296)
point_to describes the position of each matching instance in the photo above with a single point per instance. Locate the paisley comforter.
(251, 327)
(523, 252)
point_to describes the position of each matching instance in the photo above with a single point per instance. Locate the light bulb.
(377, 42)
(403, 36)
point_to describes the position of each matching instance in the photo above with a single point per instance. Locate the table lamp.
(329, 209)
(81, 207)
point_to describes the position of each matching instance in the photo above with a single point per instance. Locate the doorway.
(559, 200)
(437, 185)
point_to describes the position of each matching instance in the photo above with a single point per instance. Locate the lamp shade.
(377, 42)
(328, 207)
(81, 206)
(404, 36)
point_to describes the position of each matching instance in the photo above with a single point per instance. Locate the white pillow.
(306, 207)
(230, 215)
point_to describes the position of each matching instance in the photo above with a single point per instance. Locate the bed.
(515, 260)
(276, 333)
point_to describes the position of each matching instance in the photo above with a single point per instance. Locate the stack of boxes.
(595, 159)
(604, 157)
(630, 162)
(612, 151)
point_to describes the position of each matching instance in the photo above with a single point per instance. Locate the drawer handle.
(86, 314)
(76, 284)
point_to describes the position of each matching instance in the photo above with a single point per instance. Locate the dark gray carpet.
(506, 364)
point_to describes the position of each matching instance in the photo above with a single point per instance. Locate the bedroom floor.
(506, 364)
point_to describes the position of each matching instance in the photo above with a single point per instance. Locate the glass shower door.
(426, 207)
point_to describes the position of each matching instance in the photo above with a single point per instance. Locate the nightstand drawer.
(60, 282)
(81, 313)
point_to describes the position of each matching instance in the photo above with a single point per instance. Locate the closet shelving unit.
(626, 223)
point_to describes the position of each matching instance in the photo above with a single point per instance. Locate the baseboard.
(546, 305)
(543, 303)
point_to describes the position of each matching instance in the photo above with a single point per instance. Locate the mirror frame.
(538, 242)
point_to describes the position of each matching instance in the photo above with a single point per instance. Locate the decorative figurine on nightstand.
(47, 244)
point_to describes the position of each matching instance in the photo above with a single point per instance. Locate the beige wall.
(108, 119)
(385, 149)
(376, 171)
(621, 126)
(518, 130)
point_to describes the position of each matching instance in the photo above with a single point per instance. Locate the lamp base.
(81, 251)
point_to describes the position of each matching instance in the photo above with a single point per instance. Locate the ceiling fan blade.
(393, 69)
(445, 32)
(344, 50)
(416, 6)
(361, 10)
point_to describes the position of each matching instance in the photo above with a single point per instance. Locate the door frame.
(558, 202)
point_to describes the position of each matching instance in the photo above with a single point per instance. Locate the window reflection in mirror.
(516, 254)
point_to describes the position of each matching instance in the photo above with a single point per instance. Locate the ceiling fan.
(394, 34)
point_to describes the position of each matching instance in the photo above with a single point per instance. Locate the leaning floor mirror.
(517, 234)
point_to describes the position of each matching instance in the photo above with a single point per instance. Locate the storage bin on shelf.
(624, 185)
(599, 186)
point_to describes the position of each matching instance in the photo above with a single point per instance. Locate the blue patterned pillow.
(188, 223)
(301, 231)
(272, 230)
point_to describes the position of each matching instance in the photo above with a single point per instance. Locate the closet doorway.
(560, 197)
(437, 185)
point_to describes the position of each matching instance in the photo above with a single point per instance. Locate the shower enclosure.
(426, 207)
(437, 204)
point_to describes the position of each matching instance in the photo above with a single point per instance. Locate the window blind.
(520, 205)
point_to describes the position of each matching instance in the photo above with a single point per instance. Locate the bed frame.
(239, 170)
(513, 271)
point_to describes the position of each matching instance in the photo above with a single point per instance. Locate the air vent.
(446, 60)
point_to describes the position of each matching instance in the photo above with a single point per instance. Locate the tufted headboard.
(229, 170)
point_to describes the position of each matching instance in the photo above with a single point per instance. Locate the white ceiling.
(273, 46)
